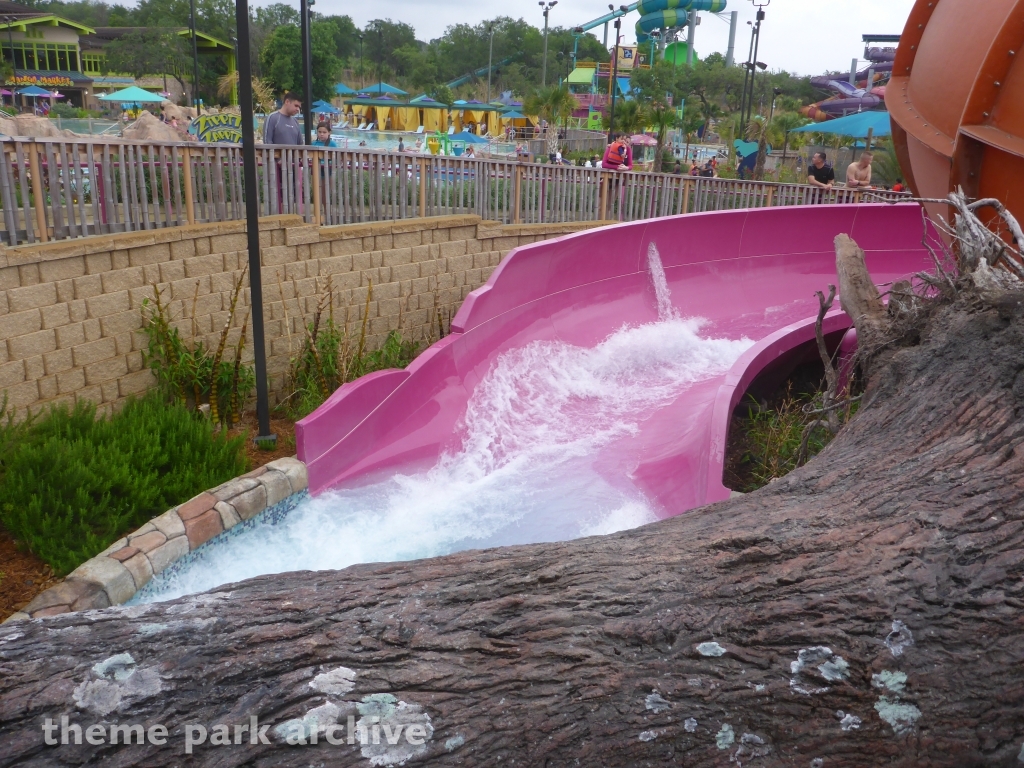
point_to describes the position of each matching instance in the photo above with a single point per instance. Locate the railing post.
(423, 161)
(771, 197)
(517, 196)
(316, 160)
(37, 190)
(687, 185)
(602, 181)
(186, 167)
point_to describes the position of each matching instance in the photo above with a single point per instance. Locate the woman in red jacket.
(619, 155)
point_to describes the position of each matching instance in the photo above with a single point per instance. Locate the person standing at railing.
(819, 174)
(323, 136)
(858, 175)
(281, 127)
(619, 155)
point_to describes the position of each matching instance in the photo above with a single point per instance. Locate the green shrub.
(72, 484)
(328, 358)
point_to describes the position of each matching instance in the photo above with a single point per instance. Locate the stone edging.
(126, 566)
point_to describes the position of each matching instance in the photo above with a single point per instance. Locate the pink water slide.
(750, 273)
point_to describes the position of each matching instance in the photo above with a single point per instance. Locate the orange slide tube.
(956, 100)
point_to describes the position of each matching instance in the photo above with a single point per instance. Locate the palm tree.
(761, 130)
(555, 105)
(692, 122)
(630, 118)
(661, 117)
(786, 122)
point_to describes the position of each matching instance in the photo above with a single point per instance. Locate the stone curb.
(126, 566)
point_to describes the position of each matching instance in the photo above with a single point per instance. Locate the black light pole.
(546, 6)
(307, 72)
(490, 58)
(615, 73)
(361, 82)
(776, 92)
(757, 44)
(380, 63)
(252, 223)
(746, 77)
(195, 57)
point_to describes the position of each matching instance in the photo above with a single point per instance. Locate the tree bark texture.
(865, 610)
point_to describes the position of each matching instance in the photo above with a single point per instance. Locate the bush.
(329, 357)
(68, 111)
(72, 484)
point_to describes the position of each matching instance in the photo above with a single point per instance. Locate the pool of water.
(529, 463)
(348, 138)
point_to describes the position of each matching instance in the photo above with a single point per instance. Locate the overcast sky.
(807, 37)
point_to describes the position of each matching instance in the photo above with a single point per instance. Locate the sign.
(594, 121)
(51, 81)
(219, 128)
(627, 57)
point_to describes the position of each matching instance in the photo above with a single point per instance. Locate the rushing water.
(522, 472)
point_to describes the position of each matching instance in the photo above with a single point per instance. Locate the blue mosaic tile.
(274, 515)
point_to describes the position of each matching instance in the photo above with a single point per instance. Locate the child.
(323, 136)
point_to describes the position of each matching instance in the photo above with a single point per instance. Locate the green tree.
(661, 117)
(281, 59)
(555, 104)
(382, 38)
(152, 52)
(786, 122)
(630, 117)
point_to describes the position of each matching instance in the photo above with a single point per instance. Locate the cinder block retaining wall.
(70, 311)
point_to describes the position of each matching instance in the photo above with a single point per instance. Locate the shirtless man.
(859, 173)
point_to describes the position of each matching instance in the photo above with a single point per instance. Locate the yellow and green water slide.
(666, 14)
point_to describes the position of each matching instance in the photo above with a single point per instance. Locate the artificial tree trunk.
(864, 610)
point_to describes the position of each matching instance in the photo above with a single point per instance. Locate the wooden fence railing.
(53, 189)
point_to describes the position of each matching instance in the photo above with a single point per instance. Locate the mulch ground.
(23, 575)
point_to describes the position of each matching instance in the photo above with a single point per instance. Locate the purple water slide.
(750, 273)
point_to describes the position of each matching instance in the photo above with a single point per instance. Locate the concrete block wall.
(71, 311)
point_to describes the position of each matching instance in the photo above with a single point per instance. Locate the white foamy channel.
(523, 471)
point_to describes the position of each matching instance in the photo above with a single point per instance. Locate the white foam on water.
(520, 472)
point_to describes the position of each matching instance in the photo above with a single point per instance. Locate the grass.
(72, 484)
(765, 442)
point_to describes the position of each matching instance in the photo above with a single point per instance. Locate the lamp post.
(361, 83)
(546, 6)
(195, 57)
(749, 109)
(746, 74)
(252, 224)
(760, 5)
(380, 62)
(307, 71)
(490, 58)
(615, 72)
(776, 92)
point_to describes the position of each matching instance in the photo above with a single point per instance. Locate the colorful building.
(55, 53)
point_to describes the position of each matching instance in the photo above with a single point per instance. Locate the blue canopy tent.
(513, 114)
(343, 90)
(383, 88)
(322, 107)
(856, 125)
(133, 95)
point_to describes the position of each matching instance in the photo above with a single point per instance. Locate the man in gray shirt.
(281, 127)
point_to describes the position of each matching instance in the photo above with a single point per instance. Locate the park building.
(57, 54)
